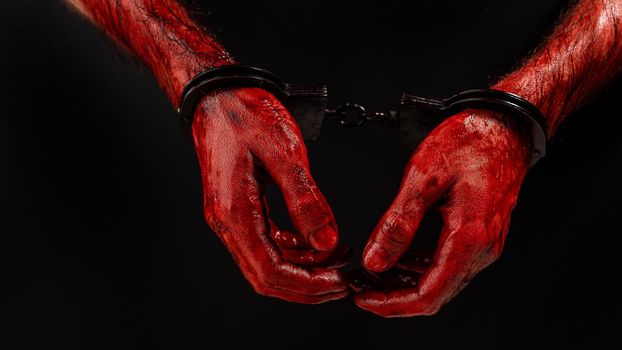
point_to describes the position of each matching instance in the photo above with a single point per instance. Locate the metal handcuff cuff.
(308, 104)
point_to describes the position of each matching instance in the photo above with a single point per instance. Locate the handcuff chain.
(352, 115)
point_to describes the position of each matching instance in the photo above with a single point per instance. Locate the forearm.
(583, 53)
(161, 34)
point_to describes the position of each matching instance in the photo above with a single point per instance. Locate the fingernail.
(376, 259)
(325, 238)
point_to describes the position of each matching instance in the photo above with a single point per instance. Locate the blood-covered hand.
(244, 140)
(470, 168)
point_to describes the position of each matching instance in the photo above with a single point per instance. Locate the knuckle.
(310, 213)
(396, 229)
(304, 207)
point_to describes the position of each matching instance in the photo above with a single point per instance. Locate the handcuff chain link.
(352, 115)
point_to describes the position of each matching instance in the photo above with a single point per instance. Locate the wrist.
(503, 133)
(241, 101)
(181, 69)
(161, 34)
(535, 91)
(177, 49)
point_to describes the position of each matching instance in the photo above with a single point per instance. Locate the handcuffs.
(416, 117)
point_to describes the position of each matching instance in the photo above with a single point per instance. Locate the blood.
(162, 35)
(583, 53)
(472, 165)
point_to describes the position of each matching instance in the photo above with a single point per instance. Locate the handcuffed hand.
(470, 168)
(245, 139)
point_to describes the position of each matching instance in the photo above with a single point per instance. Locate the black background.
(101, 231)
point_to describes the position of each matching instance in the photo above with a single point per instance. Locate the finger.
(301, 298)
(457, 259)
(336, 258)
(267, 271)
(303, 281)
(439, 284)
(422, 185)
(239, 218)
(385, 303)
(295, 250)
(284, 156)
(306, 280)
(233, 205)
(286, 240)
(272, 288)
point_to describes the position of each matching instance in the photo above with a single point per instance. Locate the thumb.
(394, 233)
(308, 210)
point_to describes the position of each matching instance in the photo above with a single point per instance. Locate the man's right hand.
(244, 140)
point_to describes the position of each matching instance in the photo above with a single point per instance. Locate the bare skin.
(470, 167)
(245, 139)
